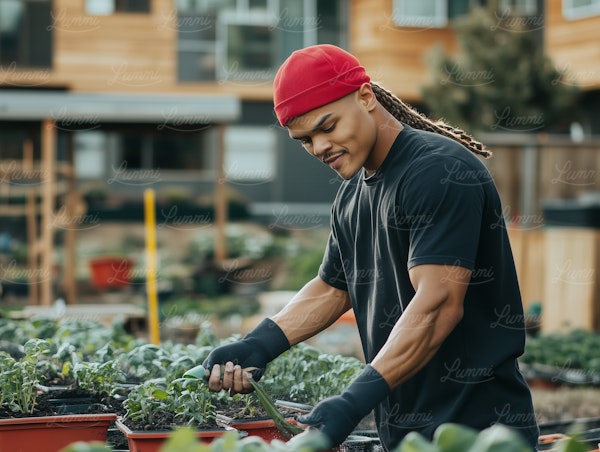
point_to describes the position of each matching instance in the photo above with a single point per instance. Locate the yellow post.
(150, 220)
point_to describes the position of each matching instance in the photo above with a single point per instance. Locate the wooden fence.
(557, 266)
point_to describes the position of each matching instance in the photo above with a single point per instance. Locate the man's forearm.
(315, 307)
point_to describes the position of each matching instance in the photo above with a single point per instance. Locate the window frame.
(229, 18)
(266, 165)
(520, 7)
(572, 12)
(439, 20)
(114, 7)
(26, 41)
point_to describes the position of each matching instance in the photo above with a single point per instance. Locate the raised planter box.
(52, 433)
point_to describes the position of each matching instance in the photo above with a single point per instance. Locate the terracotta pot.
(152, 441)
(52, 433)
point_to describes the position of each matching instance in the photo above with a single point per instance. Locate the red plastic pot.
(110, 272)
(52, 433)
(152, 441)
(263, 428)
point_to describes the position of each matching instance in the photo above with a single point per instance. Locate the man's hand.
(255, 350)
(337, 416)
(233, 378)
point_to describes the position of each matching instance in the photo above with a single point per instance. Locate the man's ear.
(366, 96)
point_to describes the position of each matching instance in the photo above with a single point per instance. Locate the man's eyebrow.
(317, 126)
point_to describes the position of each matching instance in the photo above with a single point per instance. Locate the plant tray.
(152, 441)
(52, 433)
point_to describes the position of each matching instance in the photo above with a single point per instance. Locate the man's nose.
(321, 145)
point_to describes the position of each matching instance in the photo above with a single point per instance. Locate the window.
(164, 151)
(88, 158)
(248, 51)
(460, 8)
(26, 33)
(577, 9)
(519, 7)
(107, 7)
(115, 152)
(423, 13)
(250, 153)
(246, 40)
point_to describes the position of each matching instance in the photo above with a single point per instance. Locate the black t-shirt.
(433, 201)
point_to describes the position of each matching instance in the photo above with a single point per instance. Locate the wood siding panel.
(574, 46)
(395, 56)
(133, 52)
(108, 53)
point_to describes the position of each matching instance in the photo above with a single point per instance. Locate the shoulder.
(445, 160)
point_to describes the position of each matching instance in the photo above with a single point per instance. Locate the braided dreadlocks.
(408, 115)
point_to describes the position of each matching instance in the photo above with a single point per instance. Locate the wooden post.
(31, 215)
(48, 160)
(70, 263)
(220, 198)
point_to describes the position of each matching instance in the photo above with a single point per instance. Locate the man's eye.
(304, 141)
(328, 129)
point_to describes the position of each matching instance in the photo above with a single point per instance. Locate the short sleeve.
(332, 269)
(444, 203)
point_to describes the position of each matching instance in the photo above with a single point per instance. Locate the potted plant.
(158, 406)
(25, 423)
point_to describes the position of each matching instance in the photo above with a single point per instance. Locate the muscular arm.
(315, 307)
(432, 314)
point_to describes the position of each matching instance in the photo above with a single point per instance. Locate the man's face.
(341, 134)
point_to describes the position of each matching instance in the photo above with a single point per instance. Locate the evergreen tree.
(499, 80)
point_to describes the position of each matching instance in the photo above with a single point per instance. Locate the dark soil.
(68, 401)
(166, 421)
(235, 411)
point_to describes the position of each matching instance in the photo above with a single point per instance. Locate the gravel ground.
(566, 403)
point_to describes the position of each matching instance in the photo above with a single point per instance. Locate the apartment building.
(207, 53)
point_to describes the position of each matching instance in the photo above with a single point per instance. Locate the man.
(419, 250)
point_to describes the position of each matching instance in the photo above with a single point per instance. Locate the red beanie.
(313, 77)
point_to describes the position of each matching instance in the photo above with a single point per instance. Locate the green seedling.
(287, 429)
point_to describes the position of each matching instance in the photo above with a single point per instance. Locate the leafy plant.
(97, 377)
(286, 429)
(304, 374)
(146, 401)
(19, 379)
(454, 437)
(19, 331)
(573, 356)
(185, 440)
(82, 446)
(183, 401)
(168, 360)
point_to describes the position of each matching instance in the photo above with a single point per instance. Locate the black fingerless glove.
(259, 347)
(338, 416)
